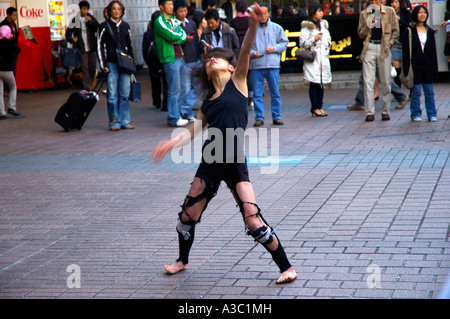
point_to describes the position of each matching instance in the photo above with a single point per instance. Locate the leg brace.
(264, 235)
(186, 229)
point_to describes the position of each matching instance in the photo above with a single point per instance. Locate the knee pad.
(263, 235)
(185, 229)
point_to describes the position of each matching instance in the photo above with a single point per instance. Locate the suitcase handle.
(105, 76)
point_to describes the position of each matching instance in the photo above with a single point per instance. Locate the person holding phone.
(265, 57)
(314, 35)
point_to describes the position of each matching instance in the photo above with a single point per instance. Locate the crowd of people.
(383, 56)
(179, 34)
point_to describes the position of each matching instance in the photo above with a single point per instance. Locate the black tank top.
(227, 117)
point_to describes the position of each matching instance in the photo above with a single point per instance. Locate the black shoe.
(2, 117)
(13, 112)
(370, 118)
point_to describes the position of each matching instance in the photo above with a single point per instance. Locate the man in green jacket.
(169, 36)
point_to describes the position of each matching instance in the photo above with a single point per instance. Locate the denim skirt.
(396, 52)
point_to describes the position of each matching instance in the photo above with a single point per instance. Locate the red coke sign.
(31, 13)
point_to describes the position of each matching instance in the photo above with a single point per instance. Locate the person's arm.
(395, 29)
(177, 37)
(305, 40)
(101, 49)
(92, 23)
(239, 75)
(363, 29)
(234, 41)
(70, 35)
(128, 42)
(182, 139)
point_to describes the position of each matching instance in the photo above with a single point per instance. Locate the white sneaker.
(433, 119)
(181, 122)
(191, 119)
(417, 119)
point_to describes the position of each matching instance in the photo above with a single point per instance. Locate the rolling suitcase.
(75, 111)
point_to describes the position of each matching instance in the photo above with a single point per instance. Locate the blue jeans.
(118, 91)
(272, 76)
(430, 106)
(189, 95)
(173, 76)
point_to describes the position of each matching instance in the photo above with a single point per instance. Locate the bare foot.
(176, 267)
(287, 276)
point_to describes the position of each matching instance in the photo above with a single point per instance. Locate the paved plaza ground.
(362, 209)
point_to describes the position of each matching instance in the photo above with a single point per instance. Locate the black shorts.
(230, 173)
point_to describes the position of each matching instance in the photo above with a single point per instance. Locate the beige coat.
(389, 26)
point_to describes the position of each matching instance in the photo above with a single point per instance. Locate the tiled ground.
(361, 208)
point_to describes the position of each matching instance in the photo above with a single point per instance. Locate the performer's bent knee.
(190, 216)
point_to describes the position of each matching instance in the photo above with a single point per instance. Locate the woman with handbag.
(115, 44)
(315, 36)
(423, 59)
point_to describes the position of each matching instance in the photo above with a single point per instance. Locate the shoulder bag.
(408, 80)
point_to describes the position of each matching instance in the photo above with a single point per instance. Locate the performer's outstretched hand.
(162, 149)
(255, 12)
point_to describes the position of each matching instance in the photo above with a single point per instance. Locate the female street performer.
(225, 107)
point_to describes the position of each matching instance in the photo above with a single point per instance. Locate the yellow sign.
(339, 46)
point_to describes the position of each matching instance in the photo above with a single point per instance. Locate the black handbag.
(125, 62)
(305, 54)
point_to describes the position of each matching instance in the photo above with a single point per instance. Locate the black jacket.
(14, 42)
(403, 23)
(424, 63)
(191, 49)
(150, 53)
(107, 44)
(8, 50)
(91, 29)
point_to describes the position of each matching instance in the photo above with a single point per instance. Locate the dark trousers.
(159, 84)
(316, 96)
(88, 68)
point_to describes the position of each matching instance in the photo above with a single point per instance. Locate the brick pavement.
(355, 204)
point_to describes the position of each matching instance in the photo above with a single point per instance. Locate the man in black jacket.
(82, 33)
